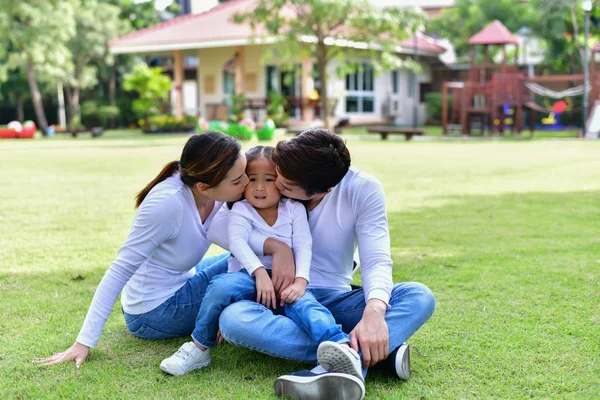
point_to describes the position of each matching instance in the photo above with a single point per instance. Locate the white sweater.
(166, 241)
(352, 214)
(290, 228)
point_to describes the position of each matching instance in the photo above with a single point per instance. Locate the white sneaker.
(401, 362)
(188, 358)
(335, 357)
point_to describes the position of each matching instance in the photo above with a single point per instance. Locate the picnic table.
(384, 131)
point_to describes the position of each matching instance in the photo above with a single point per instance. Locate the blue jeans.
(176, 316)
(307, 313)
(253, 326)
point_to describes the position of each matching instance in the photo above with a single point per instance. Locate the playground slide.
(593, 122)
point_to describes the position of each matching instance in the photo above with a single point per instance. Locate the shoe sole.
(334, 359)
(403, 363)
(178, 373)
(330, 386)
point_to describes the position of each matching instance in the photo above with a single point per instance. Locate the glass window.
(360, 87)
(368, 104)
(395, 88)
(352, 104)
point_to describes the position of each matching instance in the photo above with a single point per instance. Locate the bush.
(107, 113)
(268, 130)
(238, 103)
(168, 123)
(276, 108)
(239, 132)
(89, 113)
(433, 102)
(152, 86)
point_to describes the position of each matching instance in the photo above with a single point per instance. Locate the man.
(346, 208)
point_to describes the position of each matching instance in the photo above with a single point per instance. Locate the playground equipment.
(496, 95)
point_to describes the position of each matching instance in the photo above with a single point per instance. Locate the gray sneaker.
(400, 362)
(188, 358)
(335, 357)
(306, 385)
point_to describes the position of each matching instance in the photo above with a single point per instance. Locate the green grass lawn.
(436, 131)
(505, 233)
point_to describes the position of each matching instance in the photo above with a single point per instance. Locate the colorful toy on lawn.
(552, 121)
(268, 130)
(202, 126)
(16, 130)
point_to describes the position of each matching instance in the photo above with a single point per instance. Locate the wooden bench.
(384, 131)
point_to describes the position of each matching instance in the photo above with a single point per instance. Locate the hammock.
(571, 92)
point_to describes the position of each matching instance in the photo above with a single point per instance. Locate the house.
(214, 58)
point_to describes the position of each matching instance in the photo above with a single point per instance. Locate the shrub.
(276, 108)
(107, 113)
(433, 102)
(152, 88)
(239, 132)
(267, 132)
(168, 123)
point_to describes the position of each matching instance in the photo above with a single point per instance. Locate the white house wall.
(211, 61)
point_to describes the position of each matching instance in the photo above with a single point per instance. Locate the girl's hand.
(265, 293)
(284, 267)
(78, 353)
(294, 291)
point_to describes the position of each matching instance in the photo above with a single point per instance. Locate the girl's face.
(261, 191)
(232, 187)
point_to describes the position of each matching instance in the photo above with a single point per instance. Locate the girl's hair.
(253, 154)
(259, 151)
(206, 158)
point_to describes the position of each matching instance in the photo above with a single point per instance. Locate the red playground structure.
(495, 96)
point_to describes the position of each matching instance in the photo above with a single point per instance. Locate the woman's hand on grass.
(78, 353)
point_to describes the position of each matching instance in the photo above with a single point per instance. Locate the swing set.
(496, 95)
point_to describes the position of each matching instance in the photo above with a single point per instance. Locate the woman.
(154, 269)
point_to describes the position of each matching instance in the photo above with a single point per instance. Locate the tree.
(310, 27)
(16, 87)
(152, 87)
(96, 24)
(468, 17)
(36, 32)
(561, 29)
(139, 14)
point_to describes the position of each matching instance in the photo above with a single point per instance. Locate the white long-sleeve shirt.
(352, 214)
(166, 241)
(290, 228)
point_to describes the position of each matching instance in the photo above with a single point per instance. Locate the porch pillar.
(307, 88)
(178, 76)
(239, 70)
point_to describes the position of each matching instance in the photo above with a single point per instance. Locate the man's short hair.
(316, 160)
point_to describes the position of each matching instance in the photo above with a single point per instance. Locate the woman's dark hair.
(206, 158)
(253, 154)
(316, 160)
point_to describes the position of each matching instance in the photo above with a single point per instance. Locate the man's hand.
(265, 293)
(294, 291)
(284, 267)
(371, 334)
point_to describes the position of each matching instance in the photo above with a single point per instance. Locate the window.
(228, 85)
(395, 82)
(361, 90)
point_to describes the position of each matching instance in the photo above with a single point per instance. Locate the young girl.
(265, 212)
